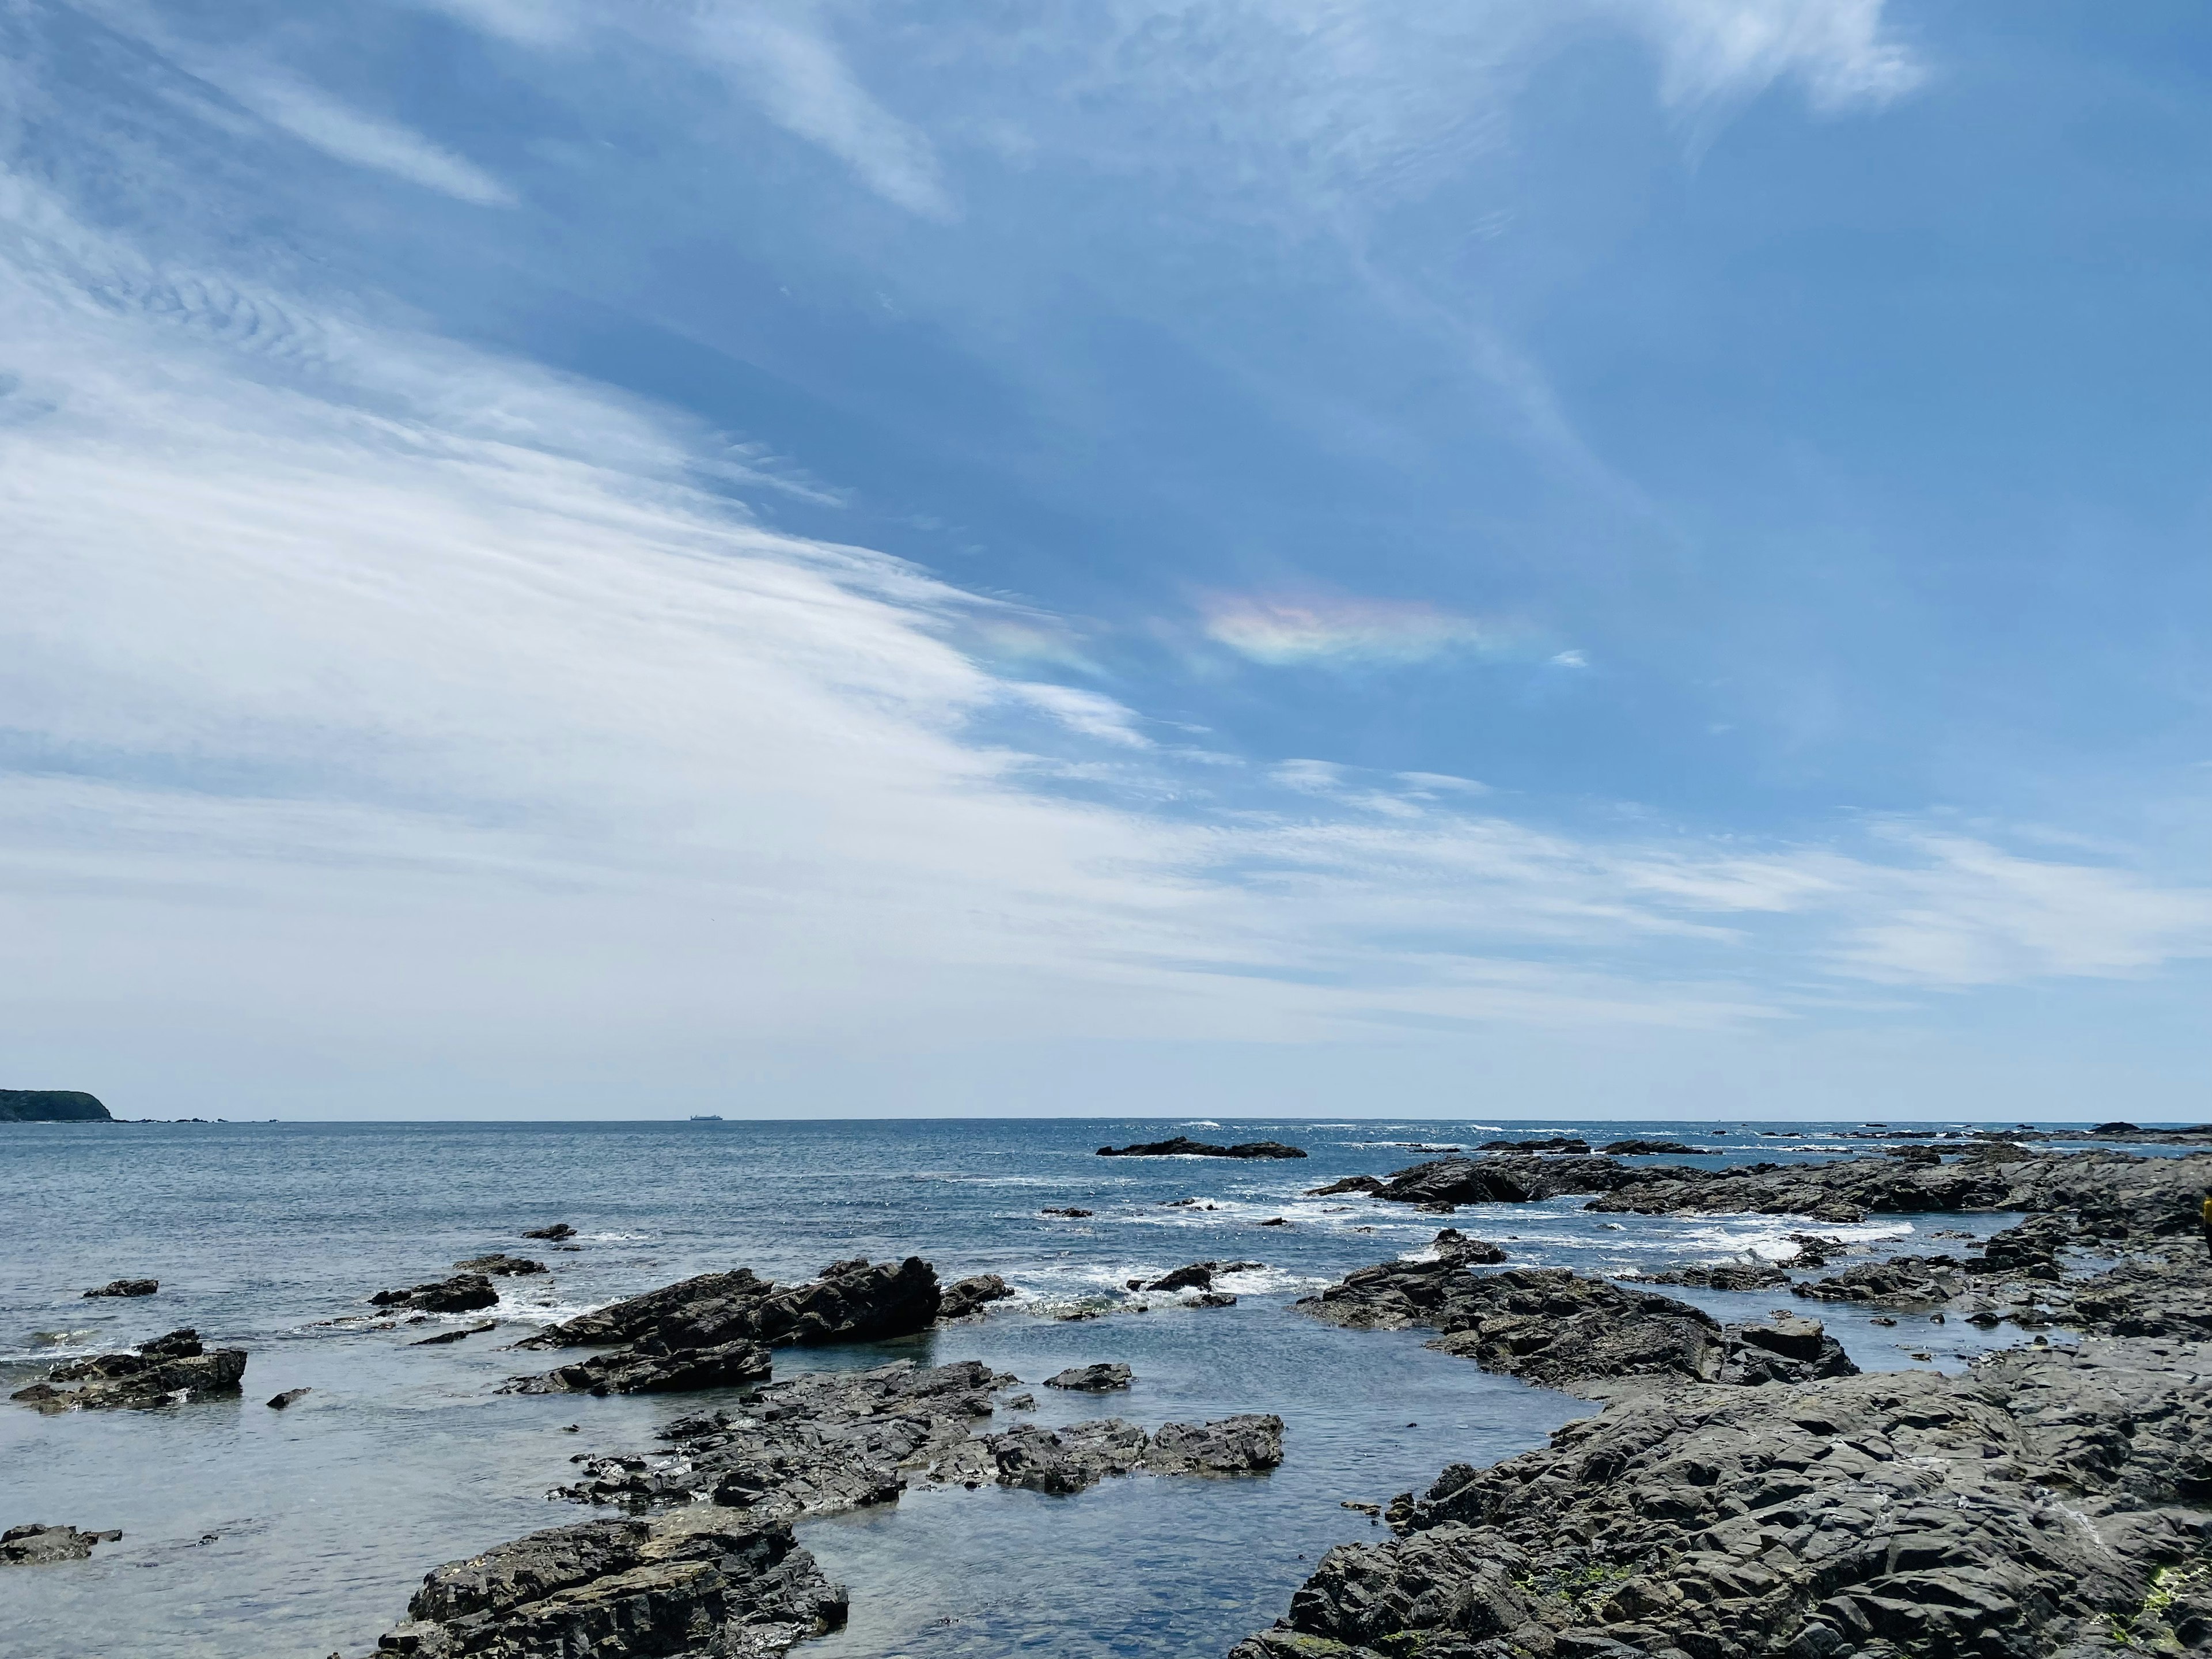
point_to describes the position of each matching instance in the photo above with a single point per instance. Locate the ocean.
(253, 1534)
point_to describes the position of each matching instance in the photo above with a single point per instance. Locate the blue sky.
(1639, 556)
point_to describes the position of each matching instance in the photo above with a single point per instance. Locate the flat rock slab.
(2039, 1504)
(1184, 1147)
(37, 1545)
(169, 1371)
(1093, 1379)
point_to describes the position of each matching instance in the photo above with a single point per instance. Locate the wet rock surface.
(2047, 1502)
(1724, 1276)
(715, 1330)
(1557, 1328)
(462, 1293)
(1184, 1147)
(500, 1265)
(127, 1287)
(36, 1546)
(170, 1369)
(970, 1295)
(843, 1440)
(711, 1583)
(555, 1234)
(1092, 1379)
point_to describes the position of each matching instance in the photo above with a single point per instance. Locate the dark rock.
(52, 1106)
(500, 1266)
(1722, 1276)
(171, 1370)
(2119, 1128)
(1370, 1184)
(1184, 1147)
(852, 1302)
(458, 1333)
(652, 1365)
(291, 1397)
(1558, 1329)
(1233, 1445)
(2147, 1297)
(1455, 1245)
(1902, 1281)
(462, 1293)
(708, 1581)
(1213, 1299)
(1925, 1157)
(554, 1234)
(2037, 1505)
(1276, 1221)
(967, 1295)
(714, 1331)
(1507, 1180)
(1093, 1379)
(37, 1545)
(1199, 1276)
(1649, 1149)
(1071, 1213)
(127, 1287)
(1571, 1145)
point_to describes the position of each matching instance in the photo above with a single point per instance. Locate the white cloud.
(1840, 51)
(316, 118)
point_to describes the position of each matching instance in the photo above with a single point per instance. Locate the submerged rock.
(709, 1581)
(1069, 1210)
(459, 1333)
(171, 1370)
(2048, 1502)
(286, 1399)
(1184, 1147)
(462, 1293)
(37, 1545)
(127, 1287)
(553, 1235)
(1093, 1379)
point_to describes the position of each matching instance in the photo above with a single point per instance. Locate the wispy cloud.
(315, 117)
(1329, 631)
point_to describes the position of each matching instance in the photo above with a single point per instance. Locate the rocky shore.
(706, 1565)
(2056, 1499)
(1184, 1147)
(169, 1371)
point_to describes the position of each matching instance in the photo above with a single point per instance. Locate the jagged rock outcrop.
(969, 1296)
(2046, 1502)
(37, 1545)
(171, 1370)
(500, 1265)
(843, 1440)
(52, 1106)
(1902, 1281)
(1722, 1276)
(462, 1293)
(127, 1287)
(714, 1331)
(709, 1582)
(1184, 1147)
(1563, 1331)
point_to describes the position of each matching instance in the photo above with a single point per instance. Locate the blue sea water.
(252, 1534)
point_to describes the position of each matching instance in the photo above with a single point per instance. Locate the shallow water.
(250, 1532)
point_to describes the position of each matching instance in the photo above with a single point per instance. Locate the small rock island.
(52, 1106)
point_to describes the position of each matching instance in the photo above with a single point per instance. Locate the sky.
(1533, 558)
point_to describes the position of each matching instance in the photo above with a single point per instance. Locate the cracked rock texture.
(1559, 1329)
(714, 1331)
(2043, 1504)
(709, 1583)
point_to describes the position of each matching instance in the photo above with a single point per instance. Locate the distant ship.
(707, 1117)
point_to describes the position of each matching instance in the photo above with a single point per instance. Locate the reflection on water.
(251, 1532)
